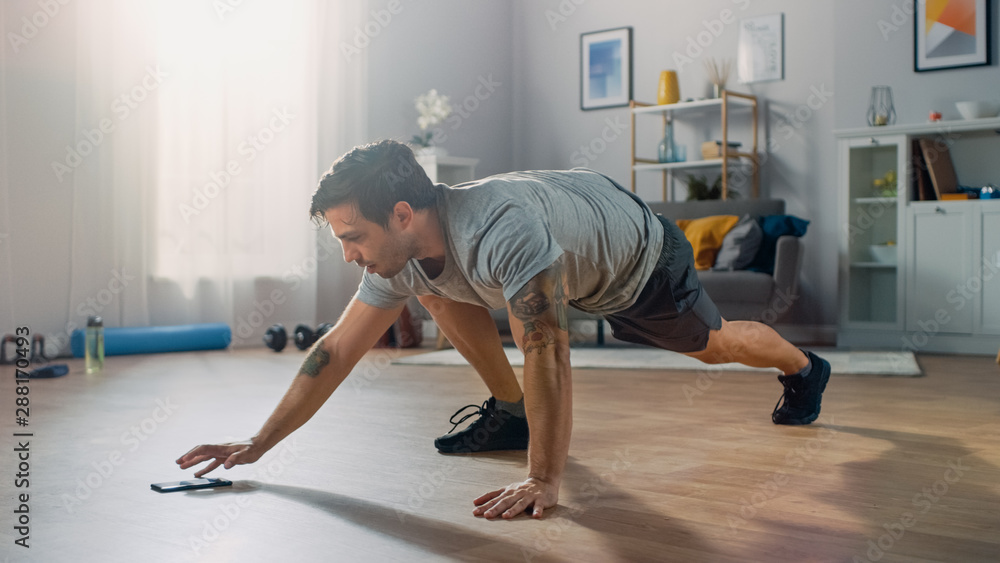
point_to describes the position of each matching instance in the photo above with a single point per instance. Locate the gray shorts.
(673, 311)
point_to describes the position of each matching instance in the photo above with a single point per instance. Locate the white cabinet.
(942, 294)
(449, 170)
(939, 268)
(988, 268)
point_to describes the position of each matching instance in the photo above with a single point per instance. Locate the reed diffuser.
(718, 74)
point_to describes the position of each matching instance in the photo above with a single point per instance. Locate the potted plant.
(433, 108)
(699, 189)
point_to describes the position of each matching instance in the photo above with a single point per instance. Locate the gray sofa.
(742, 294)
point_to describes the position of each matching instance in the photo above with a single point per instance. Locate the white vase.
(431, 151)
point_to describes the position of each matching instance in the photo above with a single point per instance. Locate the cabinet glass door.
(873, 284)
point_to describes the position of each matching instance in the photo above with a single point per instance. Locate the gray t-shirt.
(503, 230)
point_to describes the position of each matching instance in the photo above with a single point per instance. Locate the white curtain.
(195, 206)
(6, 269)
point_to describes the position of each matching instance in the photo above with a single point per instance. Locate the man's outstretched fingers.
(208, 469)
(487, 497)
(518, 508)
(484, 503)
(537, 513)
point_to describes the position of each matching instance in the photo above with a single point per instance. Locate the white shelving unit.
(699, 110)
(942, 294)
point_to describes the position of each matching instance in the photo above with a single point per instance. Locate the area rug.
(841, 362)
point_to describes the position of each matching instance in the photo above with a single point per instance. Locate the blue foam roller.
(156, 339)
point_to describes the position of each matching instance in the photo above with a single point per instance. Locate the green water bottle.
(94, 353)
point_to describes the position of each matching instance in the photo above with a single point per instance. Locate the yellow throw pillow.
(705, 235)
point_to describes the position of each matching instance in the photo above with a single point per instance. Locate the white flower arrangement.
(433, 109)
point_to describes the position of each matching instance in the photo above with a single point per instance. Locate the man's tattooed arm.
(314, 363)
(541, 306)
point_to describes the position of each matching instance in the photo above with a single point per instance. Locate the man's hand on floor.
(531, 496)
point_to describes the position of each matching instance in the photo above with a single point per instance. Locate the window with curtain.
(199, 194)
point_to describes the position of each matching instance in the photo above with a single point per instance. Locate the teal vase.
(667, 152)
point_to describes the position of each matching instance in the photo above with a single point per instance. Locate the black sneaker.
(495, 429)
(801, 400)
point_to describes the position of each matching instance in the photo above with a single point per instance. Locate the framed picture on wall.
(760, 53)
(951, 34)
(606, 68)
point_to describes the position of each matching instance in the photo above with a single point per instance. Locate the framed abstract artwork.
(606, 68)
(951, 34)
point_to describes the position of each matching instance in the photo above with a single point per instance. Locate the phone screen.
(189, 484)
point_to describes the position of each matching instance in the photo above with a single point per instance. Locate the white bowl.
(883, 253)
(978, 109)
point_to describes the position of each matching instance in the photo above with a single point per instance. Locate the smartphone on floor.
(189, 485)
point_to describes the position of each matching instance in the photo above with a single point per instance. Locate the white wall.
(462, 48)
(875, 47)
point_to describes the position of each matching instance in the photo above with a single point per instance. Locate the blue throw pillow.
(773, 227)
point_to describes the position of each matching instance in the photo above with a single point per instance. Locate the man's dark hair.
(373, 177)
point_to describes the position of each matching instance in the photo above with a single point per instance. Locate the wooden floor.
(665, 466)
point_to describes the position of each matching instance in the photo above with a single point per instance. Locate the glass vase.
(880, 107)
(666, 151)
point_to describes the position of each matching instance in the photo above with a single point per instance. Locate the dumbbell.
(37, 348)
(306, 337)
(275, 338)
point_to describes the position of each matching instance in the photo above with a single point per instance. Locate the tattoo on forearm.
(559, 295)
(315, 361)
(537, 336)
(529, 303)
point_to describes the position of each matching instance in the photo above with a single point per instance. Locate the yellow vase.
(669, 91)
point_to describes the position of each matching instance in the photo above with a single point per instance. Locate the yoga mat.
(155, 339)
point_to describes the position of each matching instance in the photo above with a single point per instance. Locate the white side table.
(449, 170)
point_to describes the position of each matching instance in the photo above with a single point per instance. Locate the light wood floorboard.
(656, 473)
